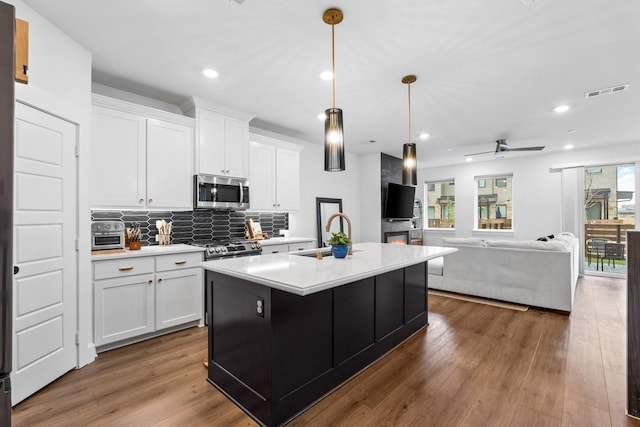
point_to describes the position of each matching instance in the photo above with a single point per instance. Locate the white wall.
(60, 84)
(315, 182)
(536, 190)
(370, 197)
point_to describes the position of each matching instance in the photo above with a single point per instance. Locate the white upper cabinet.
(222, 138)
(274, 180)
(222, 145)
(140, 157)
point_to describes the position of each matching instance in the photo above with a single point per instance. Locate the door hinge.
(77, 151)
(77, 339)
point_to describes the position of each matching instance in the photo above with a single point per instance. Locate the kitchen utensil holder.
(164, 239)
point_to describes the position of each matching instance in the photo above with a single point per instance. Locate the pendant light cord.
(409, 98)
(333, 70)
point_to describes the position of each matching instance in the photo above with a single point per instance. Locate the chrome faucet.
(328, 227)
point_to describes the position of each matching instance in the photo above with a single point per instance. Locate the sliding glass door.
(609, 211)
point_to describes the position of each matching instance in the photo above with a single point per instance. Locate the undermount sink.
(325, 253)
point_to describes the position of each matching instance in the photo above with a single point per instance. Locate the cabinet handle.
(125, 268)
(141, 201)
(180, 262)
(274, 205)
(278, 205)
(150, 200)
(159, 280)
(150, 282)
(222, 171)
(301, 249)
(275, 252)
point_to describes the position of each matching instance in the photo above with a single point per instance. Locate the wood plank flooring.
(475, 365)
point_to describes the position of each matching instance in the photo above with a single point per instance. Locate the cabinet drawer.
(302, 246)
(122, 267)
(275, 249)
(177, 261)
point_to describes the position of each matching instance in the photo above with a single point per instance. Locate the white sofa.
(535, 273)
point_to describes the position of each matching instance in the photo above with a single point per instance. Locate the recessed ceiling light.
(322, 116)
(468, 159)
(568, 146)
(561, 108)
(424, 136)
(571, 131)
(210, 72)
(326, 75)
(449, 149)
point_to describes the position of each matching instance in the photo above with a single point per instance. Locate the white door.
(45, 229)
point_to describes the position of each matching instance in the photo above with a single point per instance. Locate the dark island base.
(275, 353)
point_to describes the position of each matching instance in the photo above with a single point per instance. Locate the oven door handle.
(241, 193)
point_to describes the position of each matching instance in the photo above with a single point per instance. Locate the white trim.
(607, 162)
(129, 107)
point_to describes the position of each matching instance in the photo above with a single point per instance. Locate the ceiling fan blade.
(538, 148)
(477, 154)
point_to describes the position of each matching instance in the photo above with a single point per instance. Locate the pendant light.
(333, 130)
(409, 162)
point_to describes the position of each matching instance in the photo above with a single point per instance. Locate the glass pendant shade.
(334, 141)
(409, 164)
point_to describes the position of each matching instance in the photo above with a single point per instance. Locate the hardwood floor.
(474, 365)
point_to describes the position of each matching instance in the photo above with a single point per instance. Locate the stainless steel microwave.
(220, 192)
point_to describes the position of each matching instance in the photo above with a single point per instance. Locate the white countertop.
(304, 275)
(149, 251)
(285, 240)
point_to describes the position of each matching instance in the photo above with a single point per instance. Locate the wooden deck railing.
(614, 232)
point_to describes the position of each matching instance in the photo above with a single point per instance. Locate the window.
(440, 201)
(494, 205)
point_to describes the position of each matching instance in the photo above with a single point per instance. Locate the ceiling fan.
(502, 146)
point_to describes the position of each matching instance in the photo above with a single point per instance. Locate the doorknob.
(16, 269)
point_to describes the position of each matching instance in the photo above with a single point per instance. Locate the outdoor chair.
(596, 248)
(613, 251)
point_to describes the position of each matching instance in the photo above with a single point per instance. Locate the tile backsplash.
(202, 225)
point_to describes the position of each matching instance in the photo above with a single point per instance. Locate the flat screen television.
(399, 202)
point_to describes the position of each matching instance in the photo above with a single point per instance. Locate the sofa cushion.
(528, 244)
(435, 266)
(466, 241)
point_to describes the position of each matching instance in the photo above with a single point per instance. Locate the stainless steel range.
(218, 249)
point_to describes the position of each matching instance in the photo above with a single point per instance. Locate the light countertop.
(285, 240)
(303, 275)
(149, 251)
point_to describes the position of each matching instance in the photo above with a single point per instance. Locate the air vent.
(606, 91)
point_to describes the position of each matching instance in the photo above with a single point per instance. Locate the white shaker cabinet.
(275, 176)
(124, 295)
(222, 145)
(139, 297)
(140, 157)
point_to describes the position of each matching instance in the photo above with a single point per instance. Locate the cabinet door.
(262, 180)
(210, 146)
(301, 246)
(169, 165)
(275, 249)
(124, 308)
(179, 297)
(287, 179)
(236, 147)
(117, 158)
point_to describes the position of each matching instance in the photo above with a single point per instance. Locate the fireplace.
(396, 237)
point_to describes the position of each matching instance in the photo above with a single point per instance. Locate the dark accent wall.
(198, 225)
(390, 171)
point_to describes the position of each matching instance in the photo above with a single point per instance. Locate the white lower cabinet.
(178, 297)
(288, 247)
(138, 296)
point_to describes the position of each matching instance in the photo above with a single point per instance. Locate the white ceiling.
(486, 69)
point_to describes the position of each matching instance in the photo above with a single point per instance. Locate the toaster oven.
(107, 235)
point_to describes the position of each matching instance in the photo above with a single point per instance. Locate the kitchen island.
(286, 329)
